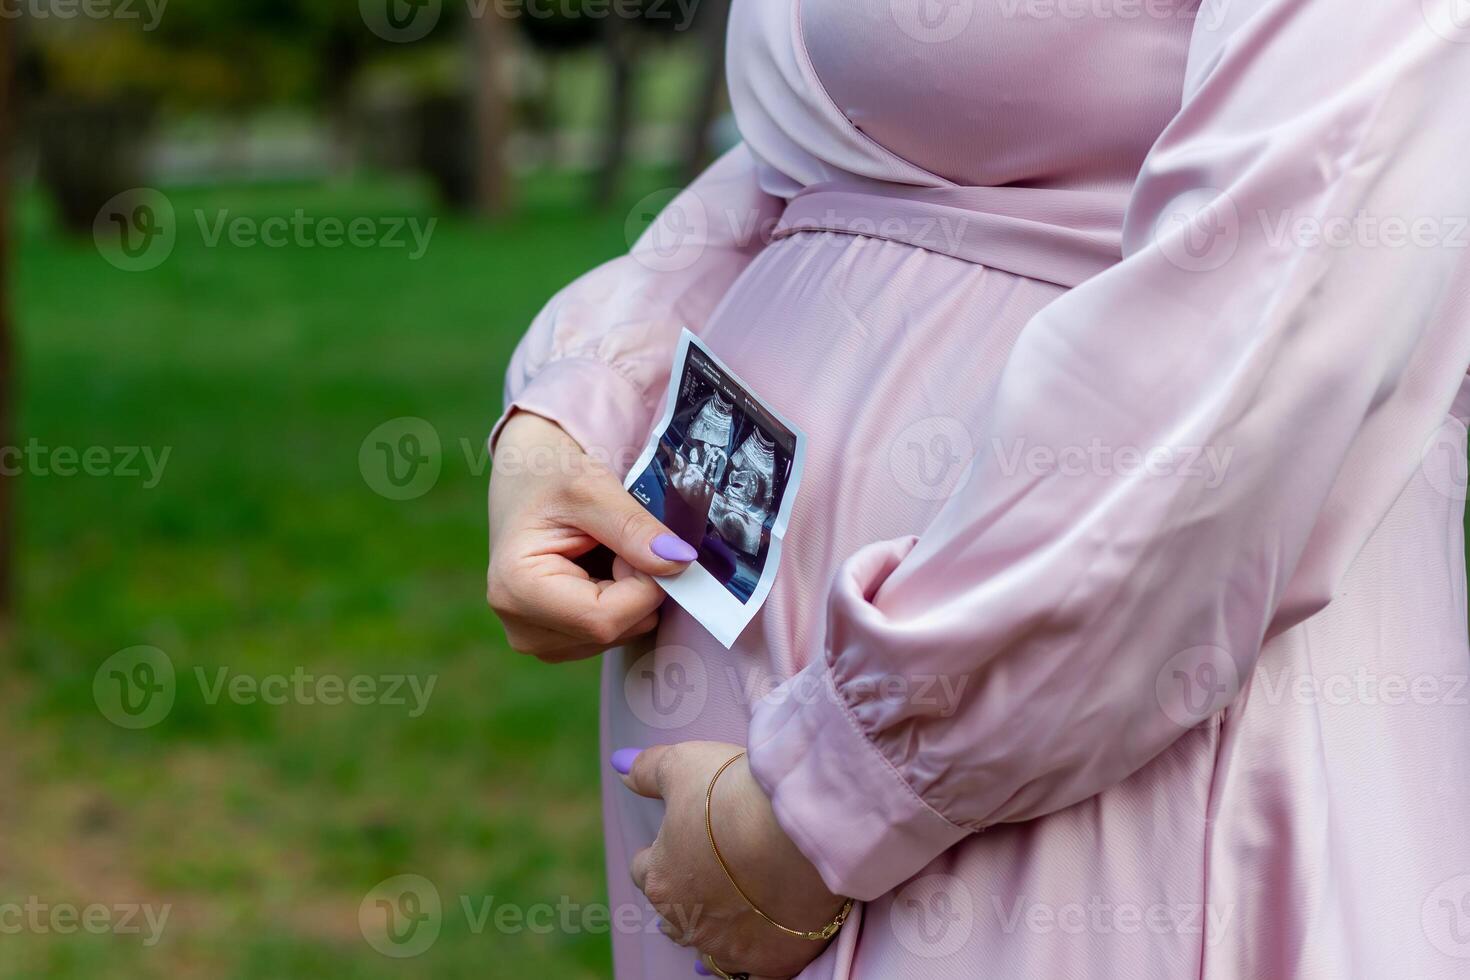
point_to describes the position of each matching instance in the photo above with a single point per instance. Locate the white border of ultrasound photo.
(695, 589)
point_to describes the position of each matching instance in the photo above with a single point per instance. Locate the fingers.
(603, 509)
(556, 647)
(549, 645)
(647, 624)
(557, 651)
(548, 604)
(623, 603)
(694, 909)
(622, 570)
(638, 868)
(645, 777)
(675, 932)
(677, 922)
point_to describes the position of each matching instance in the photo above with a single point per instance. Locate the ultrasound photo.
(721, 472)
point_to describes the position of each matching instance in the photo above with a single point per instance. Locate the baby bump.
(886, 356)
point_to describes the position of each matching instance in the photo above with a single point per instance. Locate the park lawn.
(263, 550)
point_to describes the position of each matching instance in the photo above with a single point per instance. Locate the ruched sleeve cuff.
(593, 402)
(835, 794)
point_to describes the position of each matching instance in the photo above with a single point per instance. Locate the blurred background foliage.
(493, 85)
(264, 549)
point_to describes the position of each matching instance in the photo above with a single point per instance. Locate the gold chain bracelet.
(821, 935)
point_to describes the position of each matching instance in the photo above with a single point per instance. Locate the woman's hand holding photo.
(550, 504)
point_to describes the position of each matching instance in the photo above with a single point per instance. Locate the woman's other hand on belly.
(683, 880)
(551, 504)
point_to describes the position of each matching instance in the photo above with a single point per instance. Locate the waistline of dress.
(1053, 235)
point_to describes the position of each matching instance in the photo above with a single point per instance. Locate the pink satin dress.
(1121, 629)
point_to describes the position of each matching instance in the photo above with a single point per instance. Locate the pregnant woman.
(1120, 629)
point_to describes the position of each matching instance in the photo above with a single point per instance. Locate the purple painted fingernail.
(701, 969)
(622, 760)
(670, 547)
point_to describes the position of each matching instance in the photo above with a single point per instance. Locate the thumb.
(645, 774)
(615, 518)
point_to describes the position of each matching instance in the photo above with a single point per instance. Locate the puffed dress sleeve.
(597, 357)
(1256, 319)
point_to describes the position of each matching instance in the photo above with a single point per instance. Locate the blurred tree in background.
(103, 105)
(7, 342)
(449, 105)
(99, 85)
(266, 546)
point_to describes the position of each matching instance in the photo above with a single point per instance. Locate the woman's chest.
(976, 92)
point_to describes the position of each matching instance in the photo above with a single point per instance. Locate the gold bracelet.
(821, 935)
(715, 969)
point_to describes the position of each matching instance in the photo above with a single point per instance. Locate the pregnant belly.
(886, 355)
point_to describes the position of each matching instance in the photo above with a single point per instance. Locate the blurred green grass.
(263, 550)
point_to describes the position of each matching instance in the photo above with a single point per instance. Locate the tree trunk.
(620, 48)
(713, 14)
(8, 49)
(492, 112)
(540, 118)
(340, 58)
